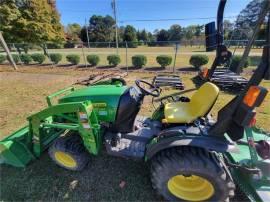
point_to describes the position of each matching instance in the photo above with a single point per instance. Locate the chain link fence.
(179, 52)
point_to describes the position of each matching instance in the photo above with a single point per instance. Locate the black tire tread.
(170, 160)
(71, 144)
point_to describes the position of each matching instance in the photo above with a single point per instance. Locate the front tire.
(69, 152)
(190, 174)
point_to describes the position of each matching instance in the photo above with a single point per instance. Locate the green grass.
(23, 93)
(42, 180)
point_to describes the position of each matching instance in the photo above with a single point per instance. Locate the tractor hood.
(105, 99)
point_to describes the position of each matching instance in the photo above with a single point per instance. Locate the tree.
(163, 35)
(188, 32)
(130, 36)
(142, 35)
(262, 33)
(198, 30)
(101, 28)
(228, 29)
(83, 35)
(121, 32)
(73, 32)
(151, 37)
(247, 19)
(30, 21)
(175, 33)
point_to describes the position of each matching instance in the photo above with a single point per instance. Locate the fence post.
(176, 50)
(84, 56)
(126, 56)
(86, 30)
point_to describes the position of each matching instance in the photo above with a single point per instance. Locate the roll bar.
(221, 49)
(229, 116)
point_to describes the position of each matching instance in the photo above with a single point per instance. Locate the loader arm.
(45, 126)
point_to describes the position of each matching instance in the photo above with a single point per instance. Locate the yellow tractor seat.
(200, 104)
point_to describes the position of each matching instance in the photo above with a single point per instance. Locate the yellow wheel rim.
(65, 159)
(191, 188)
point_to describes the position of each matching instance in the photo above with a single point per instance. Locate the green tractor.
(192, 157)
(184, 158)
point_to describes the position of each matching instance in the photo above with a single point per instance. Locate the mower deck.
(255, 186)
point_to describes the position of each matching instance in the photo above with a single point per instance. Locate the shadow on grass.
(66, 65)
(106, 67)
(45, 64)
(42, 180)
(200, 51)
(198, 82)
(84, 67)
(131, 68)
(187, 69)
(154, 69)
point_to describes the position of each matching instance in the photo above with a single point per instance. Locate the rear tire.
(190, 174)
(69, 152)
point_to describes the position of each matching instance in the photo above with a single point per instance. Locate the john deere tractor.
(192, 157)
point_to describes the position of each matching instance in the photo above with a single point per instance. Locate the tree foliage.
(101, 28)
(130, 35)
(247, 19)
(192, 31)
(30, 21)
(162, 35)
(228, 29)
(175, 33)
(142, 35)
(73, 32)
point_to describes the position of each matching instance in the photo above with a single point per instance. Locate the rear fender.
(209, 143)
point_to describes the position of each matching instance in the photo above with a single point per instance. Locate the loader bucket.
(14, 149)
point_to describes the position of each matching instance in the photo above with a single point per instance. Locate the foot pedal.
(125, 147)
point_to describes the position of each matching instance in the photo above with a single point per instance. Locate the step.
(126, 148)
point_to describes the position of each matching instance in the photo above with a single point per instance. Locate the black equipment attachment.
(168, 80)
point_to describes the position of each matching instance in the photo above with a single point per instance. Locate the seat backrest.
(204, 99)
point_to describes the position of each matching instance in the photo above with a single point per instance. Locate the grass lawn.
(23, 93)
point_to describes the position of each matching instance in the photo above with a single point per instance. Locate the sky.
(128, 11)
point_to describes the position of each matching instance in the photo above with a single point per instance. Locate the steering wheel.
(151, 90)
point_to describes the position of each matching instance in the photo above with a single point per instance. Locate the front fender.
(206, 142)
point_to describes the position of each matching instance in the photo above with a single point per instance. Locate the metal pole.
(127, 56)
(7, 51)
(176, 50)
(84, 56)
(268, 44)
(86, 29)
(116, 28)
